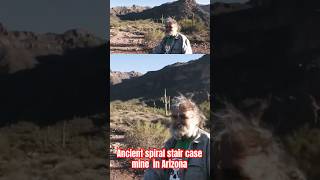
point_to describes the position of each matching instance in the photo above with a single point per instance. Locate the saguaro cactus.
(162, 19)
(166, 101)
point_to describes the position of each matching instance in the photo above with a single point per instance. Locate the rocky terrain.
(50, 73)
(52, 108)
(116, 77)
(121, 10)
(139, 29)
(31, 45)
(179, 9)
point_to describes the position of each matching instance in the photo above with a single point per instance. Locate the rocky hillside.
(122, 10)
(50, 77)
(190, 77)
(178, 9)
(117, 77)
(271, 52)
(19, 49)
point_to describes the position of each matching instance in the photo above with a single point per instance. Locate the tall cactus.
(162, 19)
(166, 101)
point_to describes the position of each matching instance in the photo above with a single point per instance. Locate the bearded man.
(186, 135)
(174, 42)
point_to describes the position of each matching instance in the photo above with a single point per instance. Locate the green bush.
(192, 26)
(135, 105)
(205, 108)
(147, 135)
(154, 35)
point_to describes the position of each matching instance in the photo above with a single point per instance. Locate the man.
(174, 42)
(186, 134)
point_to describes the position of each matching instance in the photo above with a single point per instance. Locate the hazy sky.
(150, 3)
(146, 62)
(55, 15)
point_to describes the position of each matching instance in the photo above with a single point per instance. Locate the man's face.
(171, 29)
(184, 123)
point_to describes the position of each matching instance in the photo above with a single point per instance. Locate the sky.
(147, 62)
(150, 3)
(56, 16)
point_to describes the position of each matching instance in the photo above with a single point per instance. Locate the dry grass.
(147, 135)
(153, 36)
(28, 151)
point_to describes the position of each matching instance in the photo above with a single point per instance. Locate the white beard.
(184, 132)
(172, 33)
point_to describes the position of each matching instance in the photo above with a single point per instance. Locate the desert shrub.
(147, 135)
(196, 38)
(114, 22)
(304, 145)
(192, 26)
(154, 35)
(205, 108)
(135, 105)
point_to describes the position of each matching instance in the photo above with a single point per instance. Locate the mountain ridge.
(188, 77)
(32, 45)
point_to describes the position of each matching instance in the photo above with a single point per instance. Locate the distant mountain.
(179, 9)
(19, 49)
(206, 8)
(122, 10)
(46, 78)
(189, 77)
(117, 77)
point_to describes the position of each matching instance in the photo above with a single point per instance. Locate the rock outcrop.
(19, 49)
(117, 77)
(122, 10)
(179, 9)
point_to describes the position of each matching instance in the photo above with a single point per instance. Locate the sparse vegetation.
(25, 145)
(205, 109)
(153, 36)
(135, 105)
(147, 135)
(304, 145)
(190, 26)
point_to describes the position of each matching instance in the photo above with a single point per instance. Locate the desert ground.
(124, 117)
(72, 149)
(141, 36)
